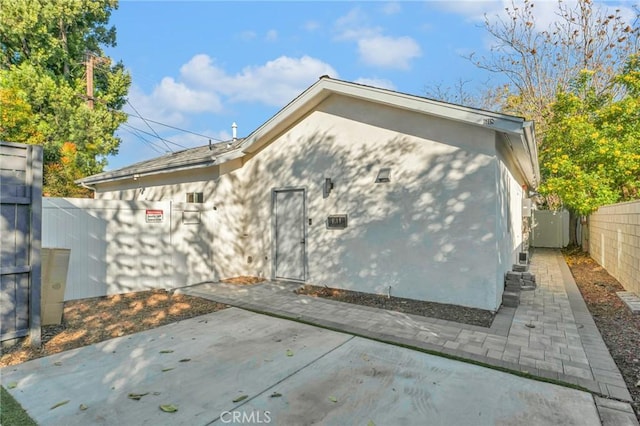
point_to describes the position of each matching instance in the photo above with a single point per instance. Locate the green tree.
(538, 61)
(44, 45)
(544, 71)
(591, 154)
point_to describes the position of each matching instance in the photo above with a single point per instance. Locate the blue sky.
(202, 65)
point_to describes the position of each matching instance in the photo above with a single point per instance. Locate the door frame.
(274, 242)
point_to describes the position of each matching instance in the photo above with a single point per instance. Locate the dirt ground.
(443, 311)
(89, 321)
(619, 328)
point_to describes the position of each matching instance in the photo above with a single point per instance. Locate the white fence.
(122, 246)
(550, 229)
(614, 242)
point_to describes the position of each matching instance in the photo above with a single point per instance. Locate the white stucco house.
(359, 188)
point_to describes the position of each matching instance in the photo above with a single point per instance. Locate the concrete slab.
(630, 299)
(331, 378)
(363, 381)
(232, 353)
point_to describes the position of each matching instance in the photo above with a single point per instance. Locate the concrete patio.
(550, 335)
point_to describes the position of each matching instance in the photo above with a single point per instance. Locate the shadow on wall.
(193, 242)
(116, 249)
(428, 234)
(245, 235)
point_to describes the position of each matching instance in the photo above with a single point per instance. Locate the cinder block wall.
(614, 242)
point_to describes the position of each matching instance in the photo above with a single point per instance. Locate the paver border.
(603, 367)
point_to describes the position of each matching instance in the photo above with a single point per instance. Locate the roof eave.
(526, 154)
(323, 88)
(151, 171)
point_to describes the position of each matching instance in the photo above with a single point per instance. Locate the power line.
(147, 142)
(149, 125)
(151, 134)
(176, 128)
(155, 134)
(137, 115)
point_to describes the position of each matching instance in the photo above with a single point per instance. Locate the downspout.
(91, 188)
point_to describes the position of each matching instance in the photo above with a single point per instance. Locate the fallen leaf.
(57, 363)
(168, 408)
(166, 351)
(241, 398)
(371, 423)
(166, 369)
(185, 360)
(137, 396)
(59, 404)
(333, 399)
(83, 407)
(289, 352)
(12, 385)
(276, 395)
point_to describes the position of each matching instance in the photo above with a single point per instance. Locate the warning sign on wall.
(154, 216)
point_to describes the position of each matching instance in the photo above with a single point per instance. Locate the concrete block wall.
(614, 242)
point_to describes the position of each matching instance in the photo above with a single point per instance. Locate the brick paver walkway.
(551, 334)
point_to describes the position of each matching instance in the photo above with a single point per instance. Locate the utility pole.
(89, 64)
(91, 60)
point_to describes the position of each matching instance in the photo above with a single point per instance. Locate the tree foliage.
(539, 62)
(44, 45)
(591, 155)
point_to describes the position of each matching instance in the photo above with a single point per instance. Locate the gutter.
(181, 166)
(84, 185)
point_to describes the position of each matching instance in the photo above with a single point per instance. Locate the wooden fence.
(20, 228)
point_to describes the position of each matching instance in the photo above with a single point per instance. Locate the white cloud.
(184, 98)
(354, 26)
(391, 8)
(272, 35)
(169, 102)
(545, 12)
(311, 26)
(204, 87)
(247, 35)
(473, 10)
(375, 48)
(376, 82)
(388, 52)
(276, 82)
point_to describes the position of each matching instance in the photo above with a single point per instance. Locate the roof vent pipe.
(234, 131)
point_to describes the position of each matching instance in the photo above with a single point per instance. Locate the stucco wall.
(509, 218)
(163, 187)
(614, 242)
(432, 233)
(428, 234)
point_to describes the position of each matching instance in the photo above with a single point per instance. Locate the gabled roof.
(519, 132)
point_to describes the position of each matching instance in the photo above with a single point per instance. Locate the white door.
(289, 234)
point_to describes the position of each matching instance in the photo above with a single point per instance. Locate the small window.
(195, 197)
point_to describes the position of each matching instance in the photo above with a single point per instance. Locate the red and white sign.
(154, 216)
